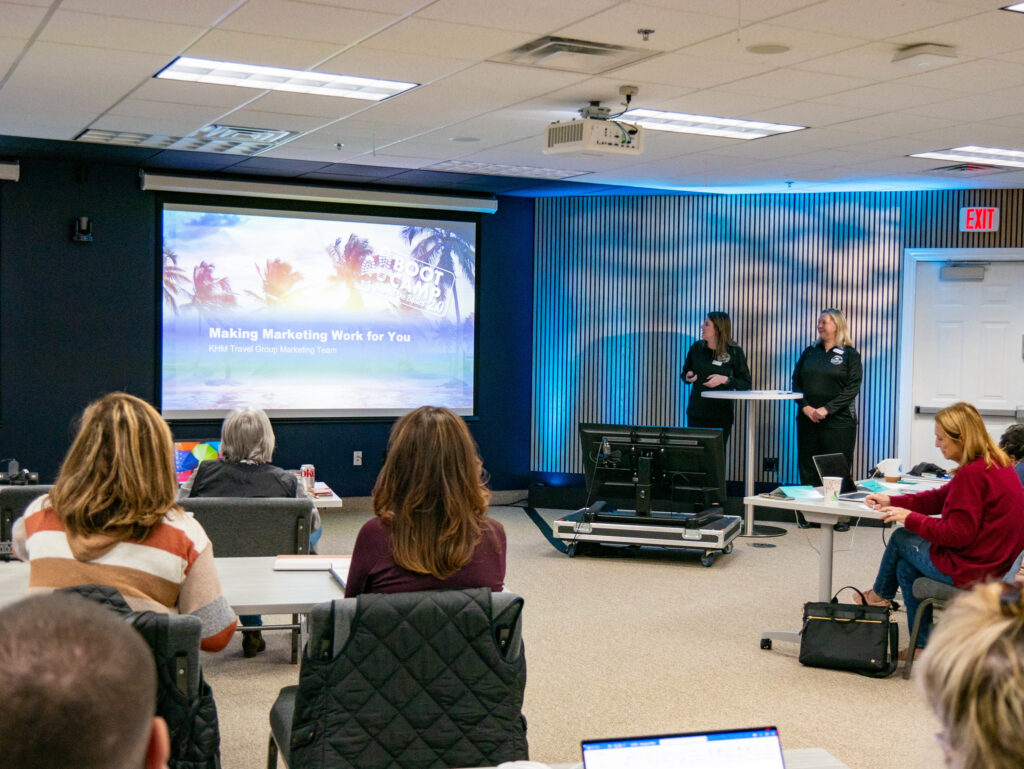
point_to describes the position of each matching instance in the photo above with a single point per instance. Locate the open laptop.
(188, 455)
(728, 749)
(835, 465)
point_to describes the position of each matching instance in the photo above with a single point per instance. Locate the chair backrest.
(13, 501)
(412, 680)
(253, 526)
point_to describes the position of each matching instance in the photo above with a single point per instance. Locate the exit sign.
(979, 220)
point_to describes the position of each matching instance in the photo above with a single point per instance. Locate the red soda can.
(308, 475)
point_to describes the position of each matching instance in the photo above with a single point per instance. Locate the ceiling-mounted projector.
(594, 133)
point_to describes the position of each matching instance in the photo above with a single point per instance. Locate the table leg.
(825, 562)
(750, 529)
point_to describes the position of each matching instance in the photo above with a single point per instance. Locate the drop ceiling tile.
(565, 103)
(160, 126)
(720, 104)
(897, 146)
(516, 82)
(803, 46)
(894, 124)
(673, 28)
(978, 76)
(398, 162)
(889, 96)
(197, 161)
(393, 7)
(202, 12)
(426, 109)
(305, 21)
(20, 20)
(277, 166)
(60, 123)
(791, 144)
(309, 105)
(536, 16)
(119, 33)
(252, 118)
(975, 108)
(270, 50)
(985, 34)
(391, 65)
(872, 61)
(1012, 121)
(491, 130)
(162, 110)
(871, 19)
(686, 71)
(810, 113)
(793, 85)
(443, 40)
(748, 12)
(10, 47)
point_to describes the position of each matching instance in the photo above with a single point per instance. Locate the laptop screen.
(834, 466)
(739, 749)
(188, 455)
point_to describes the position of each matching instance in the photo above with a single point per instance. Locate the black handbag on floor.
(846, 636)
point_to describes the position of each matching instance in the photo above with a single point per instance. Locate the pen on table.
(337, 577)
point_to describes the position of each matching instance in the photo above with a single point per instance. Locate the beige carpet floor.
(649, 643)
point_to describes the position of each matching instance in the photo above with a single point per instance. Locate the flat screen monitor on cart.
(645, 469)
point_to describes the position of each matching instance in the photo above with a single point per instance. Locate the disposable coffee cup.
(832, 485)
(892, 477)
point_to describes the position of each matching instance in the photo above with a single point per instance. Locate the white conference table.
(250, 584)
(797, 758)
(749, 397)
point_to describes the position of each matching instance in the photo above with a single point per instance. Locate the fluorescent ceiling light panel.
(279, 79)
(495, 169)
(681, 122)
(992, 156)
(1018, 7)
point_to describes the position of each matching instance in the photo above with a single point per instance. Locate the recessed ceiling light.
(768, 49)
(466, 139)
(924, 56)
(992, 156)
(279, 79)
(1018, 7)
(495, 169)
(681, 122)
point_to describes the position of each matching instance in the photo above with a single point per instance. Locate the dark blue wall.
(78, 320)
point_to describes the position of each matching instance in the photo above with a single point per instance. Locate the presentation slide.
(315, 315)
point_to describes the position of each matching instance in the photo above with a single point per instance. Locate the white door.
(968, 344)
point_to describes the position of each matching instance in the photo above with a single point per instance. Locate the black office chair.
(421, 680)
(13, 502)
(184, 699)
(242, 527)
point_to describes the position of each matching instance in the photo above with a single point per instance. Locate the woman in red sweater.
(979, 530)
(431, 530)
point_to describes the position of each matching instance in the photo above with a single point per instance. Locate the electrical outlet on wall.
(357, 458)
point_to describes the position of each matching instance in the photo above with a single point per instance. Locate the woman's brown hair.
(432, 492)
(118, 477)
(964, 425)
(723, 333)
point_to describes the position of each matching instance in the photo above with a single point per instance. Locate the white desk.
(798, 758)
(250, 584)
(749, 397)
(332, 502)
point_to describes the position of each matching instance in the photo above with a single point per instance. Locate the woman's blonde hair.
(247, 435)
(118, 476)
(973, 677)
(963, 424)
(723, 333)
(432, 492)
(842, 327)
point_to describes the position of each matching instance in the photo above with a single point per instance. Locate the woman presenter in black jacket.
(713, 364)
(829, 375)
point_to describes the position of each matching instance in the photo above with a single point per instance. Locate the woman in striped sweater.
(112, 519)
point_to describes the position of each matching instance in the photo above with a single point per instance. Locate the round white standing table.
(749, 398)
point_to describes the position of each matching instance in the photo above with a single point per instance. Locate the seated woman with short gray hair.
(244, 470)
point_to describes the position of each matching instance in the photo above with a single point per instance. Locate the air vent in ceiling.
(568, 54)
(222, 139)
(969, 169)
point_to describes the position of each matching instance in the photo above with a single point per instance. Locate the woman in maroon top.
(979, 530)
(431, 529)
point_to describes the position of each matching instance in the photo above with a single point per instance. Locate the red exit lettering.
(979, 219)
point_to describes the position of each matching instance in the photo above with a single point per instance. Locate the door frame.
(908, 295)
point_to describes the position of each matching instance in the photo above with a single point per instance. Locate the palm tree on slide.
(446, 250)
(348, 261)
(175, 279)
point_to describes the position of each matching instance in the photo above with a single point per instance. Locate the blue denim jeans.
(905, 559)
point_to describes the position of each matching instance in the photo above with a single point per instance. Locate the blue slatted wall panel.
(622, 284)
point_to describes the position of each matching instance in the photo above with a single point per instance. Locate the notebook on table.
(727, 749)
(836, 466)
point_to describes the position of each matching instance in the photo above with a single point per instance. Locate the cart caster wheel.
(707, 559)
(766, 643)
(728, 549)
(571, 550)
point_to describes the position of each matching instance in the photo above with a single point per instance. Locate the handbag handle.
(863, 598)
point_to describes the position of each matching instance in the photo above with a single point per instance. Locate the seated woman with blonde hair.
(979, 530)
(973, 677)
(431, 529)
(112, 519)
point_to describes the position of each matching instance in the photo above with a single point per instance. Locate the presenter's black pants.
(725, 427)
(813, 439)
